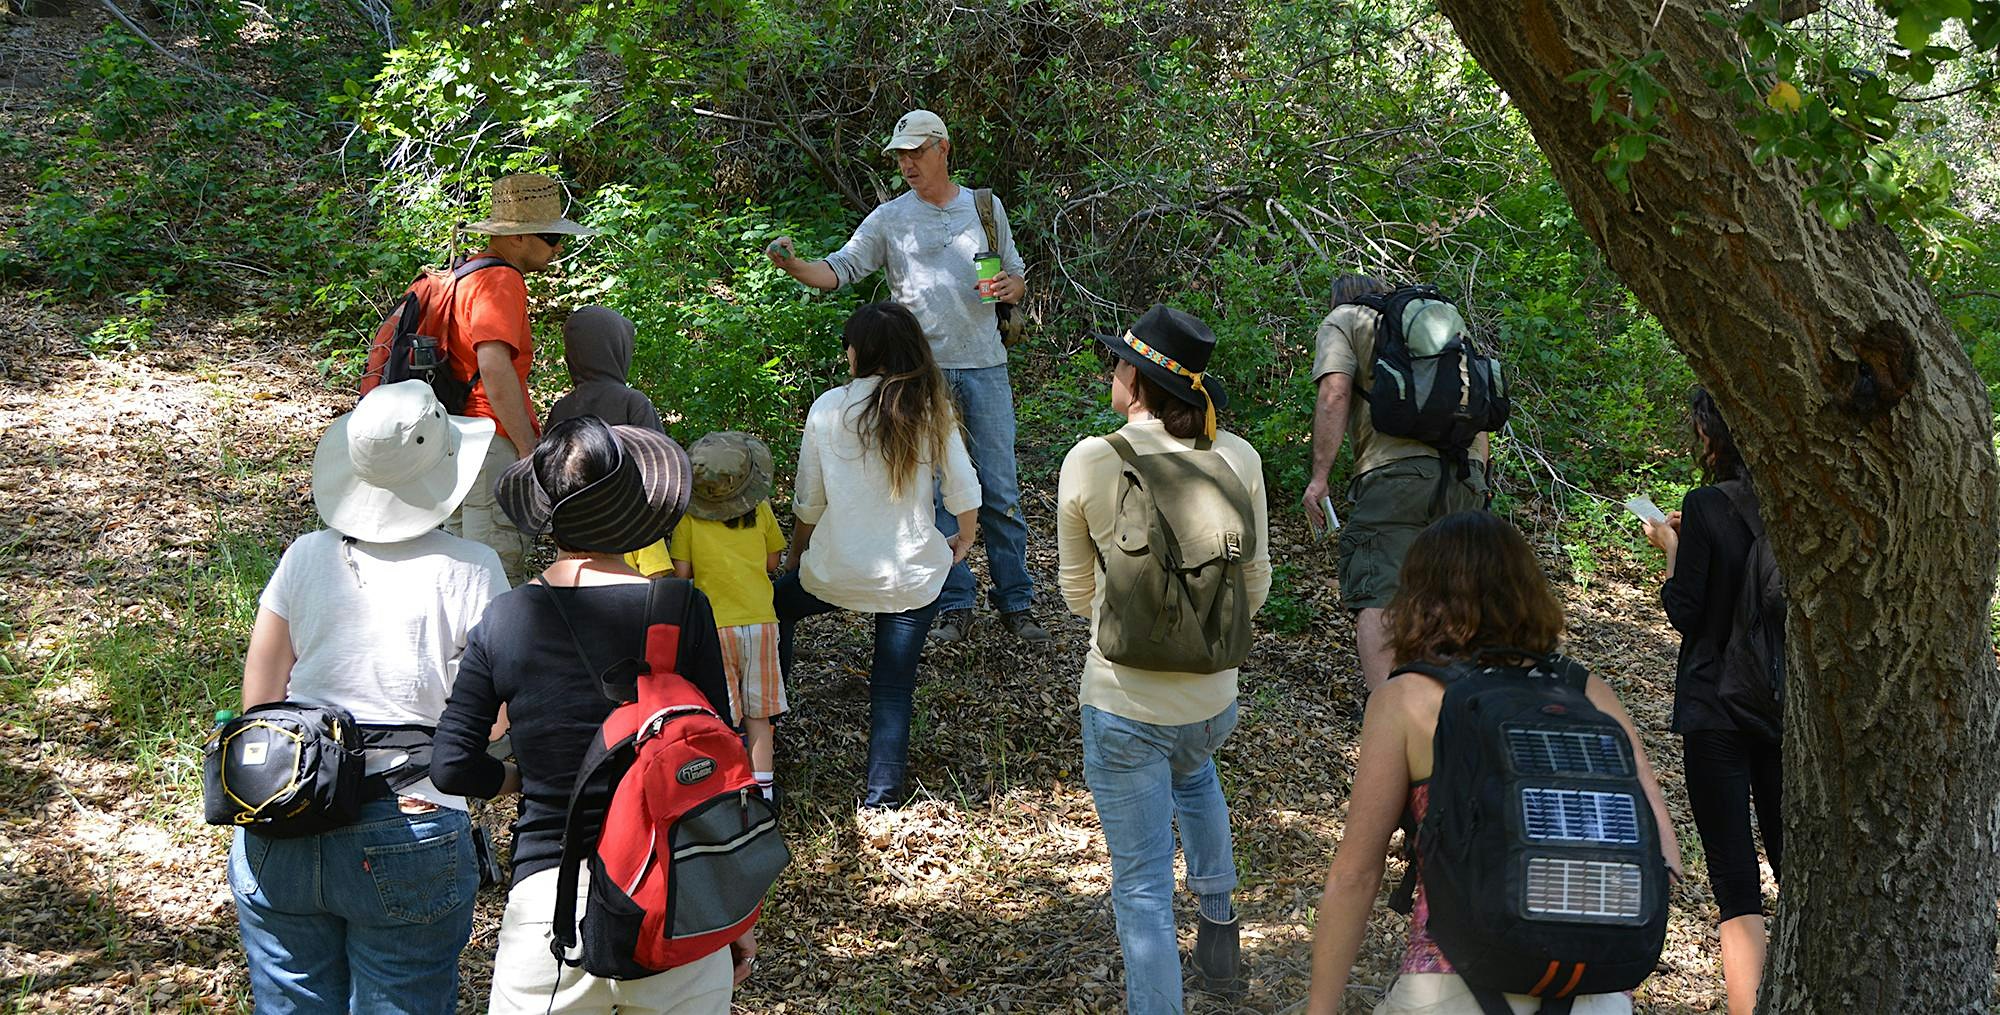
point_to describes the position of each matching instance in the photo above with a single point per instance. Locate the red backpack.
(689, 845)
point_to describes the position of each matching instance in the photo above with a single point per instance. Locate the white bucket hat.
(527, 203)
(915, 128)
(397, 465)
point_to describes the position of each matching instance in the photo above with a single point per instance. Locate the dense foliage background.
(1231, 158)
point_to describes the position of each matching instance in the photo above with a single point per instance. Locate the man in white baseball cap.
(927, 242)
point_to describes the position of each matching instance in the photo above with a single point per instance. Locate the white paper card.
(1644, 507)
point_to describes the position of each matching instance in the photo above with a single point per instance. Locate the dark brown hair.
(1470, 582)
(1182, 418)
(571, 455)
(1721, 460)
(909, 417)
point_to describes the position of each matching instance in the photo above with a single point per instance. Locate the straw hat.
(527, 203)
(397, 465)
(633, 505)
(732, 474)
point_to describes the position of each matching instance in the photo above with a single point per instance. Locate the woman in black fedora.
(601, 492)
(1156, 707)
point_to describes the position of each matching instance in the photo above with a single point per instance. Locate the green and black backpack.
(1431, 381)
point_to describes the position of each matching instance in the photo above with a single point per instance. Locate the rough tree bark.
(1870, 437)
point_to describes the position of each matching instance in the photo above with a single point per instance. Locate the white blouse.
(872, 551)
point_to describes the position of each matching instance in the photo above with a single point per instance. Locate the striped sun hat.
(634, 505)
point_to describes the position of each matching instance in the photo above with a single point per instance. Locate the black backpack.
(1540, 856)
(1751, 684)
(1429, 380)
(400, 353)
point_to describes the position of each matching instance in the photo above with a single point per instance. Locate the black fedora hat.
(632, 506)
(1172, 349)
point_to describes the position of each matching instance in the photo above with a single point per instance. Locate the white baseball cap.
(915, 128)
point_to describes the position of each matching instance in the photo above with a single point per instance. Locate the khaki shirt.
(1345, 344)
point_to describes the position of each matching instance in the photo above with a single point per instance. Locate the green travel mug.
(988, 264)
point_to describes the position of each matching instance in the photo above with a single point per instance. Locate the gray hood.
(597, 345)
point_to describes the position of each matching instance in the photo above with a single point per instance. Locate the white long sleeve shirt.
(872, 551)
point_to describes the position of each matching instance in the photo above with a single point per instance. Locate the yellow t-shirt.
(651, 561)
(729, 565)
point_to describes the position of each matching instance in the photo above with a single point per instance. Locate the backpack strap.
(563, 931)
(1743, 498)
(1492, 1002)
(982, 199)
(476, 264)
(615, 678)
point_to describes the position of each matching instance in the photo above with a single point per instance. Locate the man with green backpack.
(1398, 369)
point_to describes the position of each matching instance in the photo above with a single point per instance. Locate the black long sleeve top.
(1701, 599)
(520, 654)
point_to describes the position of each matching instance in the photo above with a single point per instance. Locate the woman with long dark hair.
(866, 538)
(1470, 585)
(1728, 767)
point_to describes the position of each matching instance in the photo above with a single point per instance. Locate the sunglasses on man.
(553, 239)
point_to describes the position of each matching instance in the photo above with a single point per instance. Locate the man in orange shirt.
(527, 230)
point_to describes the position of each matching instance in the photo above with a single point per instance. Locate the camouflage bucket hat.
(732, 474)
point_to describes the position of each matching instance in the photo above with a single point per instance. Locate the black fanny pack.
(287, 769)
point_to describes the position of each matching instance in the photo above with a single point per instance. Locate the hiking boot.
(952, 625)
(1022, 626)
(1217, 962)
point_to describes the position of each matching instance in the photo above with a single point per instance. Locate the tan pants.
(527, 980)
(1446, 994)
(480, 519)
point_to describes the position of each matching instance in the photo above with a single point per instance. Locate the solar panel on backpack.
(1544, 751)
(1572, 815)
(1585, 889)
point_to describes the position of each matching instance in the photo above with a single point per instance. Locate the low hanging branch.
(134, 28)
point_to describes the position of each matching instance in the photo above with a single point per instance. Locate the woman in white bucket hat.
(371, 614)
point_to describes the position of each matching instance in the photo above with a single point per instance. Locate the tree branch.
(133, 26)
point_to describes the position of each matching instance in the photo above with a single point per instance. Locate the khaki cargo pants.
(1390, 505)
(480, 519)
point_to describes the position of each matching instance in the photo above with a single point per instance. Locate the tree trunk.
(1870, 437)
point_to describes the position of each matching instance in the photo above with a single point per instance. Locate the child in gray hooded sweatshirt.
(597, 346)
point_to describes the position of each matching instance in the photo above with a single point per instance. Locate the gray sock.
(1216, 908)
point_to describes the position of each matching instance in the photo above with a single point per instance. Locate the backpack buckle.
(1232, 545)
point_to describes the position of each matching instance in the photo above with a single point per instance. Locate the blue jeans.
(986, 406)
(892, 681)
(369, 918)
(1144, 779)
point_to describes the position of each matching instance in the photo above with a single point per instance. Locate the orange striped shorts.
(750, 661)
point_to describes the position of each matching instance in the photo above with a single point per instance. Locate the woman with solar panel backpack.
(1730, 753)
(1496, 923)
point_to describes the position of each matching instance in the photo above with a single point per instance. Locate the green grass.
(162, 677)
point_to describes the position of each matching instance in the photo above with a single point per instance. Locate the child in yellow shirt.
(728, 544)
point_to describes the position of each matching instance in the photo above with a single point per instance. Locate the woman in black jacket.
(1707, 544)
(601, 492)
